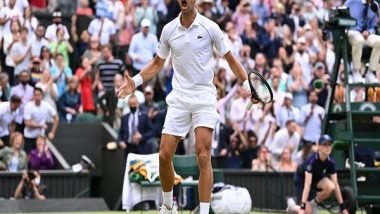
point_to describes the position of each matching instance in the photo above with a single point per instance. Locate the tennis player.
(190, 38)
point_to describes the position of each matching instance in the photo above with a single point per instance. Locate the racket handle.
(249, 105)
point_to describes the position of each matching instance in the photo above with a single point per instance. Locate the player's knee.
(165, 157)
(204, 160)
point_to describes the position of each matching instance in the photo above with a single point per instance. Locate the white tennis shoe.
(165, 210)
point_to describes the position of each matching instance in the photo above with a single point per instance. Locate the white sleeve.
(51, 111)
(219, 40)
(91, 27)
(163, 45)
(27, 112)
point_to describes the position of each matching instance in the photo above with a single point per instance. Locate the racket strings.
(261, 89)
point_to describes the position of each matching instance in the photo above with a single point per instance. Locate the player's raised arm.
(147, 73)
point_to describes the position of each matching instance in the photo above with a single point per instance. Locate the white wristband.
(246, 85)
(138, 80)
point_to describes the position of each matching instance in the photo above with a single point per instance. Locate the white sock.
(168, 199)
(204, 208)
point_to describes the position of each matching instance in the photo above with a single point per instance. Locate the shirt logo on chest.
(200, 37)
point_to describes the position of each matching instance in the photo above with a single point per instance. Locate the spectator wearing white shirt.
(25, 92)
(29, 21)
(7, 14)
(51, 31)
(19, 5)
(302, 57)
(287, 111)
(143, 47)
(21, 53)
(8, 45)
(8, 111)
(103, 28)
(39, 41)
(285, 138)
(35, 116)
(278, 95)
(238, 113)
(311, 118)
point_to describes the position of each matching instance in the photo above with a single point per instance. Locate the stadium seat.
(87, 118)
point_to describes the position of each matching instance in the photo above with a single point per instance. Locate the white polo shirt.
(6, 118)
(192, 53)
(38, 114)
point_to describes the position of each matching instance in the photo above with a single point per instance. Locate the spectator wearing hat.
(366, 13)
(143, 47)
(146, 11)
(103, 28)
(302, 57)
(287, 111)
(320, 83)
(311, 118)
(51, 30)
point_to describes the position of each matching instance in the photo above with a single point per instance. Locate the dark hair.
(108, 46)
(42, 48)
(15, 99)
(38, 89)
(24, 29)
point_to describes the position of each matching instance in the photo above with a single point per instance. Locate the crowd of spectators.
(75, 64)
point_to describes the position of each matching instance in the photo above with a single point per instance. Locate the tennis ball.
(318, 84)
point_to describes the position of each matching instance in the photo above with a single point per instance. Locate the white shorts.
(185, 111)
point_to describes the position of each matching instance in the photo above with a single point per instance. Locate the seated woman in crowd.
(70, 102)
(41, 157)
(286, 163)
(14, 158)
(263, 163)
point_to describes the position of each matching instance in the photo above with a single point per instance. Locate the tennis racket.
(260, 89)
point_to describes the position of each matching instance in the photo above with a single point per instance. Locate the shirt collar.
(364, 1)
(196, 21)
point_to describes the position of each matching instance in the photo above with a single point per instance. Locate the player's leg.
(325, 188)
(176, 126)
(203, 137)
(168, 147)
